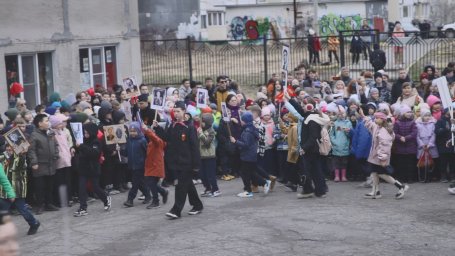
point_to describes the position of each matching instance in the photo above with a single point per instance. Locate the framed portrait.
(201, 98)
(224, 112)
(158, 99)
(285, 57)
(129, 82)
(115, 134)
(16, 139)
(78, 133)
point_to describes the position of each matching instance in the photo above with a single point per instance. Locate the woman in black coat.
(356, 48)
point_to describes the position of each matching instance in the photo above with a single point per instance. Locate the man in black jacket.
(182, 155)
(377, 58)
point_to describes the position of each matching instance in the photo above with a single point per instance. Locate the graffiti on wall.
(331, 23)
(256, 28)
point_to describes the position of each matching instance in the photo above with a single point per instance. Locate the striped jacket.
(15, 168)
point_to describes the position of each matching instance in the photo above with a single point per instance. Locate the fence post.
(266, 75)
(342, 57)
(190, 61)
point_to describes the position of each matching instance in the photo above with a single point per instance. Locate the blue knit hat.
(247, 117)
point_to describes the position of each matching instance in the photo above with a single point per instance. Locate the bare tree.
(442, 12)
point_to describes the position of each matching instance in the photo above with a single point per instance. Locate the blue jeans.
(19, 203)
(208, 174)
(138, 182)
(152, 183)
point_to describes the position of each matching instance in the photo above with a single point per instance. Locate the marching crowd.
(299, 133)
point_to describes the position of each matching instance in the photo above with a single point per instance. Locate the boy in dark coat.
(183, 156)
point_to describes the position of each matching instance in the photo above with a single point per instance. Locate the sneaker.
(172, 216)
(254, 189)
(273, 181)
(216, 193)
(444, 180)
(194, 211)
(245, 194)
(225, 177)
(206, 193)
(165, 196)
(305, 195)
(291, 186)
(142, 197)
(231, 177)
(452, 185)
(128, 203)
(153, 205)
(321, 195)
(108, 204)
(33, 228)
(267, 186)
(451, 191)
(401, 191)
(371, 196)
(195, 182)
(114, 192)
(147, 200)
(80, 213)
(199, 181)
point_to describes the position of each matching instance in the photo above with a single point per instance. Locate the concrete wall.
(38, 26)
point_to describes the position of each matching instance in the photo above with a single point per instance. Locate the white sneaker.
(216, 194)
(245, 194)
(451, 191)
(267, 186)
(400, 193)
(199, 181)
(371, 196)
(195, 182)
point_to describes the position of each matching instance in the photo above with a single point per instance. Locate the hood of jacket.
(92, 130)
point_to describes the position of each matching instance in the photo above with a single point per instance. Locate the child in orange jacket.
(154, 165)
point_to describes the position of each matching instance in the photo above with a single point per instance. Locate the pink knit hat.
(431, 100)
(380, 115)
(265, 111)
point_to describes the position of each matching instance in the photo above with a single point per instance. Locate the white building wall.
(30, 25)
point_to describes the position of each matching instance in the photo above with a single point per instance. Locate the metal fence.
(252, 62)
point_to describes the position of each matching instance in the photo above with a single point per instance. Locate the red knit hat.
(248, 103)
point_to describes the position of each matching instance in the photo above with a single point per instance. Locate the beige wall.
(30, 26)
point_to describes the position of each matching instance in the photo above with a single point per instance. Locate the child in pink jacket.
(379, 158)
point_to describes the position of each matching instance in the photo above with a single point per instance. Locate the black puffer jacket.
(88, 153)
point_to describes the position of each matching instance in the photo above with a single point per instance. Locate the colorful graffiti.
(331, 23)
(255, 29)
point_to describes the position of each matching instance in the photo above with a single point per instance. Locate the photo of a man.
(110, 134)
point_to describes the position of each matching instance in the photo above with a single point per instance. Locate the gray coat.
(43, 152)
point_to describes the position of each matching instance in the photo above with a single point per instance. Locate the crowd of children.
(301, 133)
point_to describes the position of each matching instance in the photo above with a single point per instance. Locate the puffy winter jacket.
(405, 128)
(248, 143)
(381, 145)
(340, 138)
(361, 141)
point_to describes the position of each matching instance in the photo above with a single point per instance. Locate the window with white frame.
(215, 19)
(98, 67)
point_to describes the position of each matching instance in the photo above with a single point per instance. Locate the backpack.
(324, 142)
(376, 59)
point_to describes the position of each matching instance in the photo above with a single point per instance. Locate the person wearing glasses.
(221, 91)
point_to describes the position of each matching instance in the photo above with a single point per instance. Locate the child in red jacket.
(154, 165)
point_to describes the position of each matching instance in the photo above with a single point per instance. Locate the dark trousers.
(63, 179)
(230, 162)
(138, 183)
(281, 156)
(405, 167)
(184, 187)
(293, 173)
(19, 203)
(355, 57)
(314, 56)
(446, 160)
(208, 174)
(268, 162)
(313, 170)
(44, 186)
(152, 184)
(334, 53)
(248, 170)
(95, 180)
